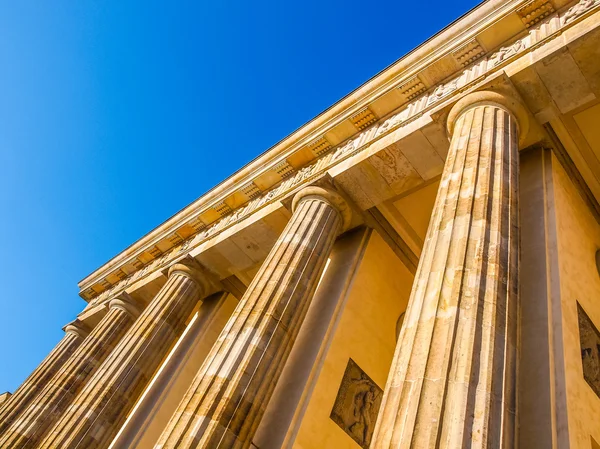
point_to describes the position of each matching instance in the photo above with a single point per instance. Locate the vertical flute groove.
(59, 392)
(224, 405)
(29, 390)
(98, 411)
(451, 383)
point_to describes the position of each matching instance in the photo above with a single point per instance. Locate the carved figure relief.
(589, 338)
(578, 10)
(442, 90)
(507, 52)
(357, 404)
(411, 111)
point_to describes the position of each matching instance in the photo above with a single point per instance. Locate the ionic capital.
(330, 197)
(509, 103)
(77, 327)
(125, 303)
(190, 268)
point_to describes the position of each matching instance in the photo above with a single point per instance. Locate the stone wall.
(578, 240)
(366, 333)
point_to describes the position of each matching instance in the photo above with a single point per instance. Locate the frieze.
(536, 36)
(578, 10)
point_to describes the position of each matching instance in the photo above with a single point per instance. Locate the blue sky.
(116, 114)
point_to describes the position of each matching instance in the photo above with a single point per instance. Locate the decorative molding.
(251, 190)
(319, 147)
(363, 118)
(155, 251)
(412, 87)
(531, 13)
(222, 208)
(578, 10)
(544, 31)
(174, 239)
(284, 169)
(120, 274)
(197, 224)
(468, 53)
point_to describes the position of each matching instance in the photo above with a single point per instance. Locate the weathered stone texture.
(58, 394)
(357, 403)
(100, 409)
(227, 399)
(32, 386)
(452, 380)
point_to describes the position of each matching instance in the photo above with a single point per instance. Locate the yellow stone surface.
(508, 67)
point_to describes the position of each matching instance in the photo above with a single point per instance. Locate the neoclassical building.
(416, 267)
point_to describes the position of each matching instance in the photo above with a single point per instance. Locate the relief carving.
(589, 338)
(579, 9)
(353, 145)
(507, 52)
(442, 90)
(357, 404)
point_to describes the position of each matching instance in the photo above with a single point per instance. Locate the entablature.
(395, 103)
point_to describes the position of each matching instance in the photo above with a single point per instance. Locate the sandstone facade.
(417, 267)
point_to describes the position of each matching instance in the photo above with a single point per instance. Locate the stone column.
(75, 332)
(28, 428)
(452, 381)
(99, 410)
(227, 399)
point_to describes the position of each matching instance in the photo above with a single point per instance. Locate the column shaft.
(27, 392)
(99, 410)
(58, 394)
(227, 399)
(452, 379)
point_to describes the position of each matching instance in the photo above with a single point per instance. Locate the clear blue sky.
(116, 114)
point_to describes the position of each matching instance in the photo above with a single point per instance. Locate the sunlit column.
(227, 399)
(59, 392)
(75, 332)
(452, 382)
(99, 410)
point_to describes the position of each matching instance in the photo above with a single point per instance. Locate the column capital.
(126, 303)
(328, 196)
(487, 97)
(190, 268)
(77, 327)
(225, 404)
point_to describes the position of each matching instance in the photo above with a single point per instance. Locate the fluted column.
(99, 410)
(452, 381)
(58, 394)
(75, 332)
(227, 399)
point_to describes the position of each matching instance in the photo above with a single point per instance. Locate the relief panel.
(357, 404)
(589, 338)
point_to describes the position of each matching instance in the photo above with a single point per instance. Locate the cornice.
(309, 152)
